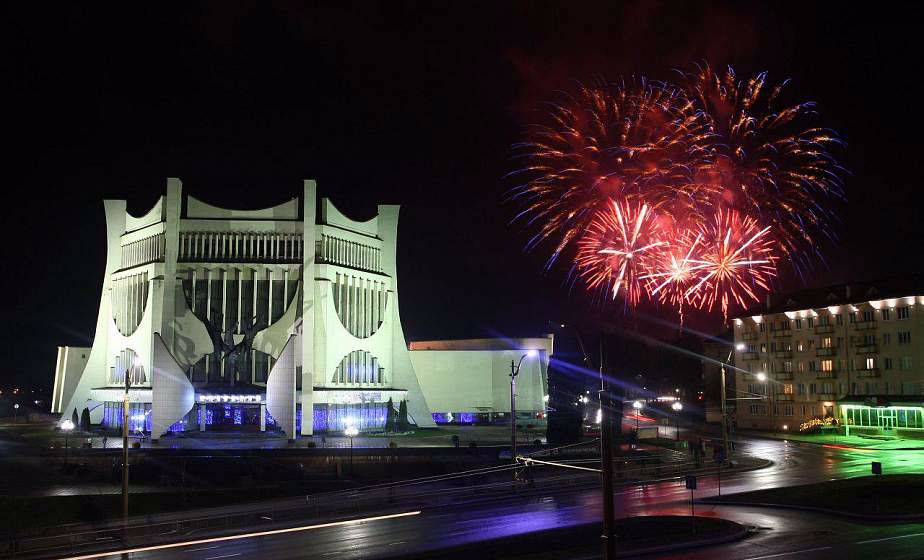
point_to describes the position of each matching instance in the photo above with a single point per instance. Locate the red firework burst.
(620, 244)
(737, 258)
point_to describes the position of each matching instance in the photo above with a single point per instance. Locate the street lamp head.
(67, 425)
(351, 431)
(16, 406)
(637, 405)
(761, 376)
(677, 406)
(739, 347)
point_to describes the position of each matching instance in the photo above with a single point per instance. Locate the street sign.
(877, 467)
(691, 482)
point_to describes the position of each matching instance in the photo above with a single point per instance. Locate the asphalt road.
(778, 534)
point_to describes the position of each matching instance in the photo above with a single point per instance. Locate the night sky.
(400, 103)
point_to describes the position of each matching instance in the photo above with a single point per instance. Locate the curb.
(857, 516)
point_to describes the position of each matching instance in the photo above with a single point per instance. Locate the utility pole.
(724, 405)
(606, 458)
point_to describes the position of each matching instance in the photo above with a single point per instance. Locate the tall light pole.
(637, 405)
(66, 427)
(608, 537)
(351, 432)
(126, 399)
(15, 413)
(677, 406)
(514, 371)
(723, 399)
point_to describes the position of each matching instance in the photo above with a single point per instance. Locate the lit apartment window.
(798, 324)
(827, 342)
(799, 345)
(905, 363)
(801, 367)
(904, 337)
(763, 348)
(787, 388)
(886, 314)
(887, 363)
(870, 363)
(886, 339)
(787, 366)
(904, 312)
(827, 365)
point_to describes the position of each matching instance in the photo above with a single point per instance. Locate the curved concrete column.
(172, 395)
(280, 390)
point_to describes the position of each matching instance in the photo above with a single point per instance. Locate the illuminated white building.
(852, 353)
(317, 293)
(332, 344)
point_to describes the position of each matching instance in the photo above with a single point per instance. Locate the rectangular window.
(784, 324)
(798, 324)
(870, 363)
(904, 312)
(827, 342)
(824, 320)
(811, 365)
(904, 337)
(811, 322)
(905, 363)
(800, 390)
(868, 315)
(760, 327)
(827, 365)
(827, 388)
(839, 320)
(813, 388)
(787, 366)
(787, 410)
(887, 363)
(801, 367)
(763, 348)
(853, 317)
(886, 339)
(787, 388)
(799, 345)
(886, 314)
(811, 343)
(869, 339)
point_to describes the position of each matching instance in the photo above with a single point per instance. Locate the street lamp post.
(15, 413)
(677, 406)
(351, 432)
(514, 371)
(66, 427)
(637, 405)
(723, 400)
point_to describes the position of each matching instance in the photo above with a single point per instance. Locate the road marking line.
(223, 556)
(788, 553)
(243, 536)
(891, 538)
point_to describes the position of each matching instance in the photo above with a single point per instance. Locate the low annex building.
(851, 355)
(215, 319)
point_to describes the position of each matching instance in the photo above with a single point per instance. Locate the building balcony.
(750, 356)
(826, 396)
(783, 376)
(784, 397)
(868, 372)
(782, 354)
(824, 329)
(826, 374)
(826, 352)
(782, 333)
(867, 349)
(749, 335)
(865, 325)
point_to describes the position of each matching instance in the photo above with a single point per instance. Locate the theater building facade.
(215, 319)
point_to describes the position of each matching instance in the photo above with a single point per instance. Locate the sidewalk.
(840, 441)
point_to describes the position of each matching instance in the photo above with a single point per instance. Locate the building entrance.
(225, 417)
